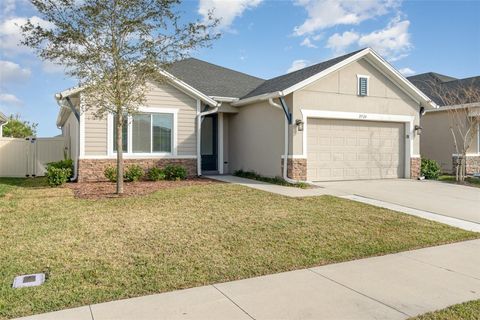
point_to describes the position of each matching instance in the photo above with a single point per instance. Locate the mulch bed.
(102, 190)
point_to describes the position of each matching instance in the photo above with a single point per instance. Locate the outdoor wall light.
(299, 124)
(418, 129)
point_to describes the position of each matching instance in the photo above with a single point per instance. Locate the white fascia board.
(326, 72)
(68, 93)
(261, 97)
(189, 89)
(224, 99)
(303, 83)
(456, 106)
(409, 86)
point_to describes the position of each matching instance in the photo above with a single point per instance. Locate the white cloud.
(12, 72)
(297, 65)
(10, 34)
(323, 14)
(340, 42)
(393, 42)
(407, 71)
(227, 11)
(10, 99)
(307, 43)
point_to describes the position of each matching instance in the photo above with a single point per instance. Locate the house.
(3, 121)
(351, 117)
(437, 141)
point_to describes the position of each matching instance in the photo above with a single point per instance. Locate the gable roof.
(286, 81)
(436, 86)
(213, 80)
(284, 85)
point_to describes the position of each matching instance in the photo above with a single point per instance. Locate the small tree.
(17, 128)
(462, 102)
(113, 48)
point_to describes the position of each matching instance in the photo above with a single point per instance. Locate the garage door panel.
(349, 149)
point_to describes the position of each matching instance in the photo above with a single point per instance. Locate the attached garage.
(341, 149)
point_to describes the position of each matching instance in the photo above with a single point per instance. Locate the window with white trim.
(362, 85)
(146, 133)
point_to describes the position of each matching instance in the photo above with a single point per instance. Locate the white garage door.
(352, 149)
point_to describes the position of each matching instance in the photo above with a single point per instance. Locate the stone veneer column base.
(92, 169)
(415, 164)
(472, 164)
(296, 169)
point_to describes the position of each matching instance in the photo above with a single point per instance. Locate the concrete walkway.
(273, 188)
(395, 286)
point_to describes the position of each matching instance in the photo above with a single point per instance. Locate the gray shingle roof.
(214, 80)
(286, 81)
(436, 86)
(3, 118)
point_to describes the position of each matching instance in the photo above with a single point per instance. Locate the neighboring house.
(437, 142)
(352, 117)
(3, 121)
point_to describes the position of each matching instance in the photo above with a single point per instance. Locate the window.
(146, 133)
(362, 85)
(124, 134)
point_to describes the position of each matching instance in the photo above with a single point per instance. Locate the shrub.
(133, 173)
(156, 174)
(430, 169)
(110, 173)
(57, 176)
(175, 172)
(63, 164)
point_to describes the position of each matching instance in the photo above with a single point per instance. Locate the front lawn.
(100, 250)
(464, 311)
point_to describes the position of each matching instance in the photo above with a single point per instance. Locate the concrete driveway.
(450, 200)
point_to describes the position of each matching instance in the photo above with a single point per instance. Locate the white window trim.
(407, 120)
(129, 153)
(360, 76)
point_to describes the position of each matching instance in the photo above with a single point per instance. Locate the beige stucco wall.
(70, 133)
(338, 92)
(256, 139)
(437, 141)
(157, 96)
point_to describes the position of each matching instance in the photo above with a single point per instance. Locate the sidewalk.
(274, 188)
(395, 286)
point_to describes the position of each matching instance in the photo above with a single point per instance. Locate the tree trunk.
(119, 153)
(463, 169)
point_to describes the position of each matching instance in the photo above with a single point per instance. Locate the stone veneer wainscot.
(93, 169)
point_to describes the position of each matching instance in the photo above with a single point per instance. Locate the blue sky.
(268, 38)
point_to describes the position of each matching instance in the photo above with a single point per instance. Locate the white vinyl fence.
(28, 157)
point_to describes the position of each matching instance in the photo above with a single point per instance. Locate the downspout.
(199, 139)
(59, 98)
(285, 156)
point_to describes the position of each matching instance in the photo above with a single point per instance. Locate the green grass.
(277, 180)
(8, 184)
(465, 311)
(469, 181)
(100, 250)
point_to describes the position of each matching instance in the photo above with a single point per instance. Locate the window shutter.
(362, 86)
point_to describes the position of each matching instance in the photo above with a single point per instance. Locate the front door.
(209, 143)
